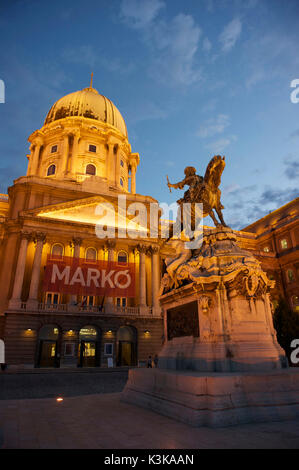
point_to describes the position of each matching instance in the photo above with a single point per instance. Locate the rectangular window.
(121, 301)
(93, 148)
(108, 349)
(54, 149)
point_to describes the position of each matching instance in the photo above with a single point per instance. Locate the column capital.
(154, 249)
(110, 244)
(39, 236)
(27, 235)
(76, 241)
(142, 248)
(38, 141)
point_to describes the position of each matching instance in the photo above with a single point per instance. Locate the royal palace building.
(81, 170)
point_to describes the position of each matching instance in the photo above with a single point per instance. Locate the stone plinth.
(220, 363)
(214, 399)
(217, 312)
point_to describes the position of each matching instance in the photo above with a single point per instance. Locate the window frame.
(50, 166)
(93, 146)
(95, 169)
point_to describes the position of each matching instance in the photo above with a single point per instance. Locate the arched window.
(122, 257)
(121, 182)
(51, 170)
(91, 254)
(57, 250)
(90, 169)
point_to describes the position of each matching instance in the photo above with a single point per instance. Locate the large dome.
(90, 104)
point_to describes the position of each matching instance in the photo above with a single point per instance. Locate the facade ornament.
(39, 236)
(205, 303)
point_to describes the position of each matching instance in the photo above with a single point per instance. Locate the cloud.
(218, 146)
(87, 55)
(214, 126)
(230, 35)
(295, 133)
(206, 45)
(140, 14)
(278, 197)
(292, 168)
(172, 44)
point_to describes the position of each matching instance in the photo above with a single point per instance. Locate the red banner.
(84, 277)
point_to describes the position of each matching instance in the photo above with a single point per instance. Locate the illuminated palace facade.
(80, 160)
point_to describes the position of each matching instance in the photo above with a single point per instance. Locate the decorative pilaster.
(40, 239)
(155, 279)
(133, 179)
(65, 155)
(110, 163)
(35, 157)
(110, 244)
(15, 301)
(117, 167)
(76, 137)
(142, 275)
(75, 244)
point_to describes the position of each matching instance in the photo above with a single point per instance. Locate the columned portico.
(34, 284)
(15, 300)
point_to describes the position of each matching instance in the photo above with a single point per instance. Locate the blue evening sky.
(192, 79)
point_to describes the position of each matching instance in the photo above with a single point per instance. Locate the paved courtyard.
(102, 421)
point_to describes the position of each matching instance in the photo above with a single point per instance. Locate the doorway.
(127, 346)
(88, 350)
(48, 349)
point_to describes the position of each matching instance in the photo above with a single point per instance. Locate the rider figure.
(192, 180)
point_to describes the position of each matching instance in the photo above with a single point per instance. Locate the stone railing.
(92, 309)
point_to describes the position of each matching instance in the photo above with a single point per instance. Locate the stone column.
(155, 280)
(35, 276)
(110, 244)
(110, 164)
(15, 301)
(117, 167)
(142, 276)
(74, 152)
(133, 179)
(65, 155)
(35, 157)
(31, 148)
(75, 243)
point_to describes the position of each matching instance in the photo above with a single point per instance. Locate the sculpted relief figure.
(203, 190)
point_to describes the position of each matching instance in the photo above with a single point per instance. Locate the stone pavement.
(102, 421)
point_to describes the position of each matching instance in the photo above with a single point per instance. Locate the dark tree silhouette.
(286, 324)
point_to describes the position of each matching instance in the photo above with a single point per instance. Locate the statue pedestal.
(221, 363)
(215, 399)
